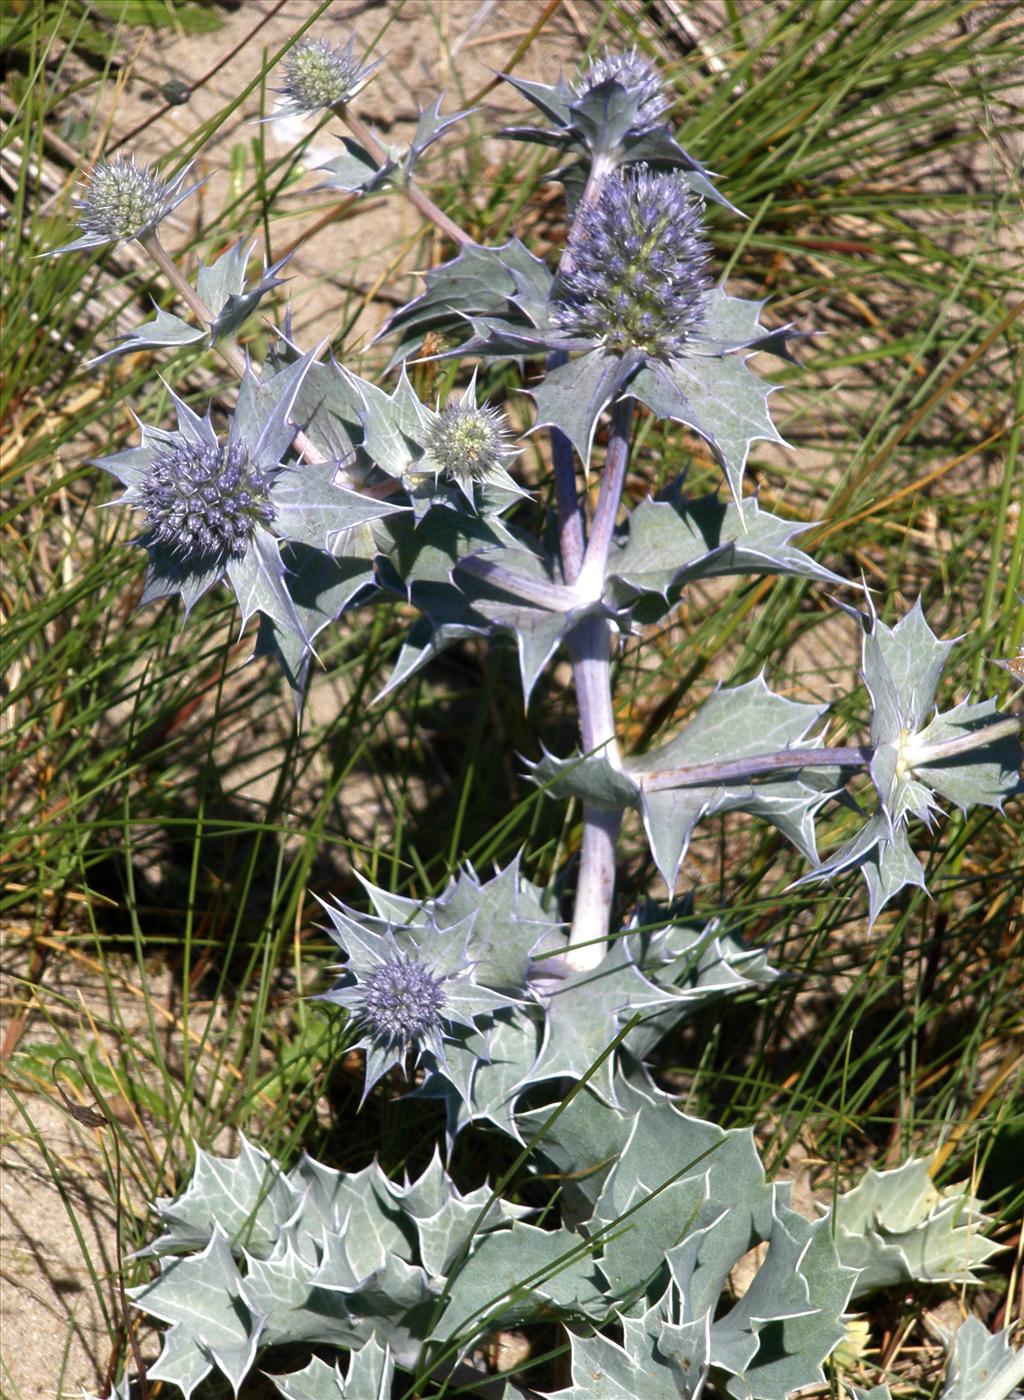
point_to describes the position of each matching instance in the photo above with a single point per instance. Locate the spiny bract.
(636, 75)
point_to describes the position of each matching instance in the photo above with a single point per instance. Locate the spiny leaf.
(370, 1373)
(164, 329)
(896, 1227)
(983, 1361)
(719, 398)
(673, 541)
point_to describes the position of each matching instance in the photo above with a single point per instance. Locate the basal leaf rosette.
(218, 507)
(673, 1204)
(635, 313)
(253, 1256)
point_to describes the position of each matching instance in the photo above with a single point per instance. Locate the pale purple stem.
(590, 648)
(847, 756)
(571, 535)
(591, 575)
(420, 201)
(227, 349)
(736, 769)
(552, 596)
(595, 889)
(567, 504)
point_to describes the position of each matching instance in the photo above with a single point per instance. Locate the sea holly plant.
(534, 1010)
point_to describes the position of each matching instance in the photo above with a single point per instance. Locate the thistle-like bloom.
(217, 507)
(468, 444)
(410, 987)
(639, 79)
(639, 258)
(203, 499)
(318, 75)
(123, 200)
(403, 1003)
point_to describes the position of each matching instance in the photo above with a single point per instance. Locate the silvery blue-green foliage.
(358, 172)
(915, 757)
(983, 1365)
(252, 1256)
(474, 987)
(731, 724)
(370, 1372)
(215, 507)
(665, 1207)
(898, 1227)
(221, 287)
(328, 491)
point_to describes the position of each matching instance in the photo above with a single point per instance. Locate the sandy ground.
(57, 1227)
(55, 1339)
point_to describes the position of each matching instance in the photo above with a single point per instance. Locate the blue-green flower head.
(638, 280)
(410, 987)
(402, 1003)
(636, 75)
(203, 499)
(319, 76)
(123, 200)
(468, 444)
(217, 506)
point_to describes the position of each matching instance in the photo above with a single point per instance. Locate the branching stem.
(590, 648)
(849, 756)
(227, 349)
(590, 642)
(420, 201)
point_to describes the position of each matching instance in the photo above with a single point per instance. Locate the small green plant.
(533, 1008)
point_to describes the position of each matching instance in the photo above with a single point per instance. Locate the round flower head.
(410, 988)
(467, 443)
(634, 74)
(317, 75)
(123, 200)
(203, 499)
(402, 1003)
(218, 508)
(638, 279)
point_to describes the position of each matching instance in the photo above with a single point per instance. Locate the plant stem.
(963, 743)
(590, 645)
(738, 769)
(409, 188)
(228, 350)
(591, 576)
(849, 756)
(552, 596)
(590, 648)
